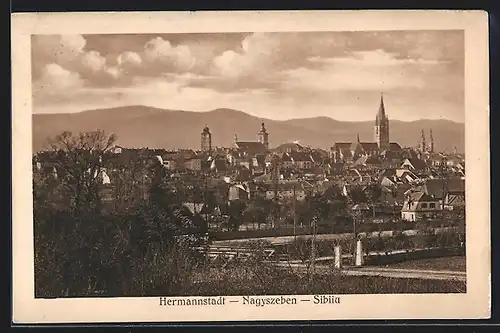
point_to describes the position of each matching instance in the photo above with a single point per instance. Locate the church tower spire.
(382, 126)
(423, 145)
(381, 108)
(263, 136)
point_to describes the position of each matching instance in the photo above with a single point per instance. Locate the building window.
(424, 205)
(432, 205)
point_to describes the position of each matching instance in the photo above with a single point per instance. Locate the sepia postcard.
(250, 166)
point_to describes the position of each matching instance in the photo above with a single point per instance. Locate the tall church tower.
(206, 139)
(382, 127)
(423, 144)
(263, 136)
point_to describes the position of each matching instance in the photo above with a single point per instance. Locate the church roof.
(251, 146)
(342, 145)
(394, 146)
(369, 145)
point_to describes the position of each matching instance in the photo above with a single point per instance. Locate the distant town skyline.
(277, 76)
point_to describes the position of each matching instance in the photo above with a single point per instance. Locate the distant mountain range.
(141, 126)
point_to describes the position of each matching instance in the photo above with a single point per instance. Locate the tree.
(79, 159)
(372, 194)
(235, 210)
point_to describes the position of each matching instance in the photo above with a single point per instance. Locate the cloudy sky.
(269, 75)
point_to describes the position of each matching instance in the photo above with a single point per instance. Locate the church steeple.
(206, 139)
(263, 136)
(382, 126)
(423, 145)
(431, 139)
(381, 109)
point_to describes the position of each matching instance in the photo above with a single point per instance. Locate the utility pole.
(354, 220)
(313, 252)
(294, 215)
(276, 190)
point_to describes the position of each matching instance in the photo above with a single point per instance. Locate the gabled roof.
(417, 196)
(388, 173)
(342, 145)
(290, 146)
(367, 160)
(298, 156)
(394, 146)
(368, 145)
(250, 147)
(417, 163)
(438, 187)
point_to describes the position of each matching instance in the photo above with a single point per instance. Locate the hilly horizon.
(139, 126)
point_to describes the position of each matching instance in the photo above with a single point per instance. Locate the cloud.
(293, 72)
(360, 71)
(60, 49)
(93, 61)
(55, 82)
(68, 53)
(161, 53)
(378, 58)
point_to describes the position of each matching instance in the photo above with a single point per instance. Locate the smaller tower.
(431, 139)
(235, 138)
(263, 136)
(357, 138)
(206, 139)
(423, 146)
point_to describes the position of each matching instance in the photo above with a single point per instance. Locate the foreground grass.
(445, 263)
(243, 281)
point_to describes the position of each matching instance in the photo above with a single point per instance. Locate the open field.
(445, 263)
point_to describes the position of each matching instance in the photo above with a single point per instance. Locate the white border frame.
(473, 304)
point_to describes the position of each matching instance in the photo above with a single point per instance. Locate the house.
(454, 201)
(406, 176)
(341, 152)
(438, 188)
(450, 192)
(250, 147)
(286, 191)
(217, 164)
(289, 147)
(194, 208)
(170, 164)
(436, 160)
(453, 160)
(414, 164)
(238, 192)
(367, 160)
(299, 160)
(116, 150)
(419, 205)
(193, 164)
